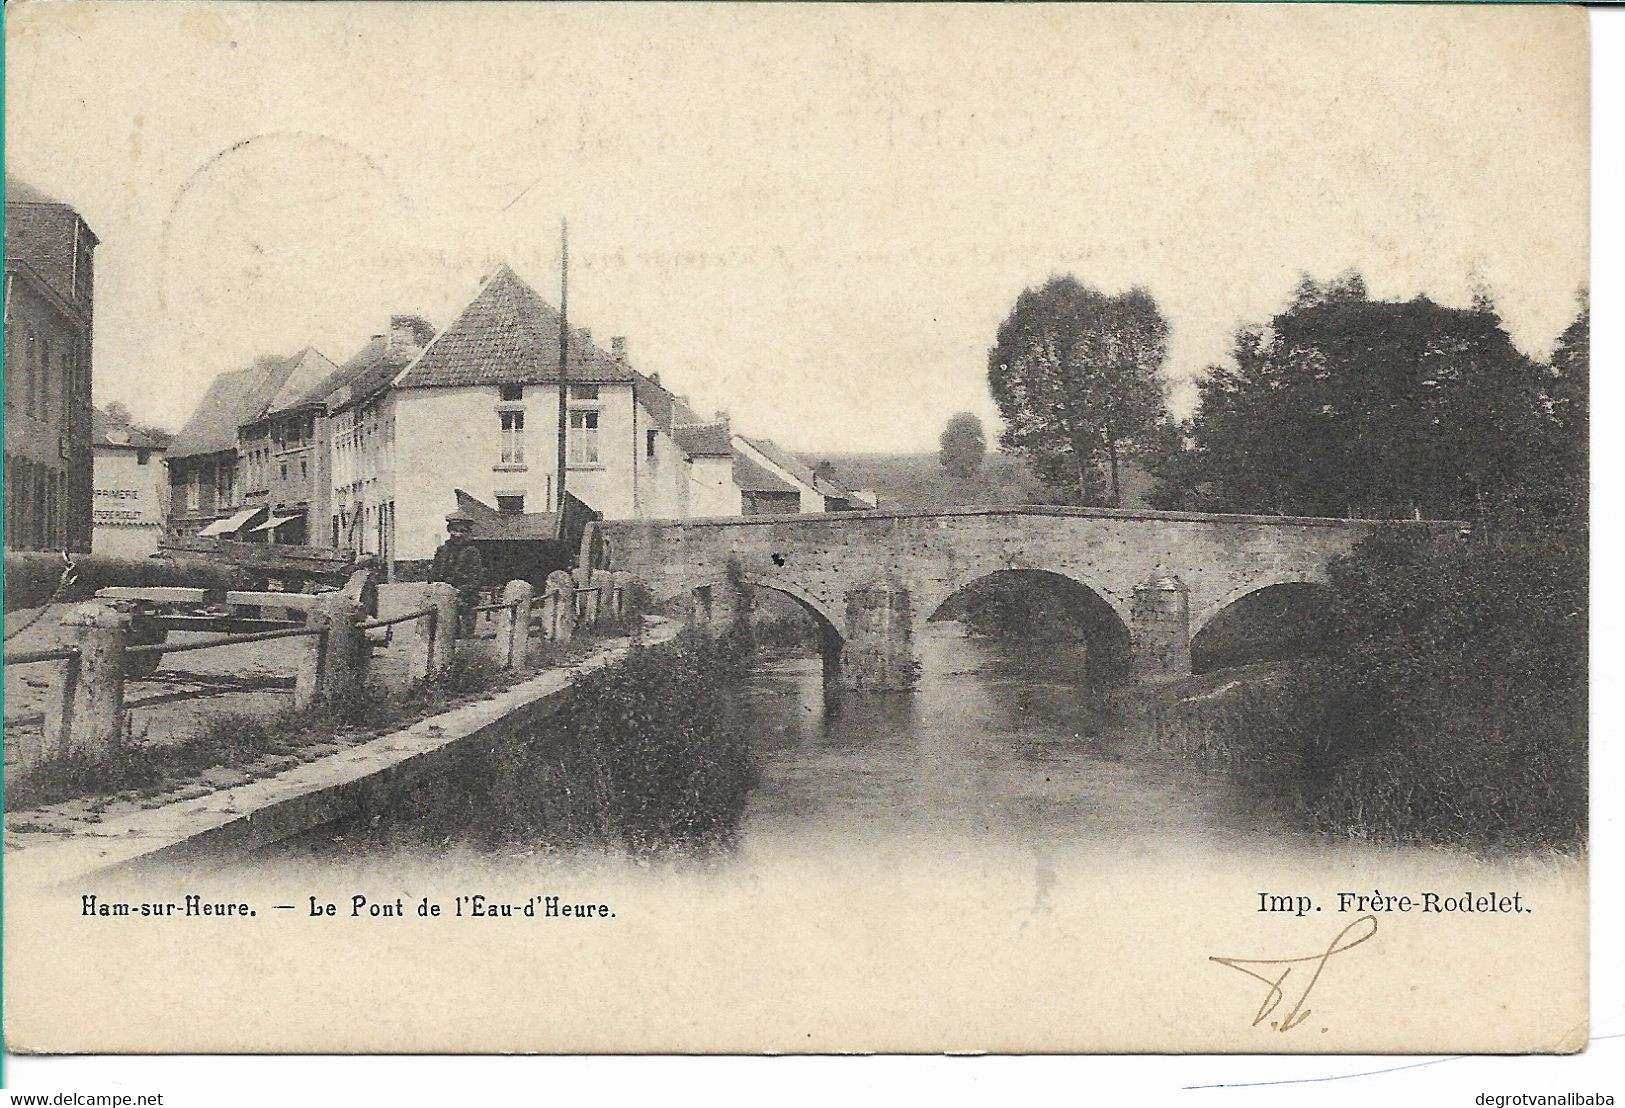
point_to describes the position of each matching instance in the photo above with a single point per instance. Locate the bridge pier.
(879, 649)
(1160, 630)
(720, 606)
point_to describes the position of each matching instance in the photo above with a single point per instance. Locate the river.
(979, 864)
(1001, 742)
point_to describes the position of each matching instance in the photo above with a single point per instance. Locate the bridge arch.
(806, 600)
(711, 598)
(933, 599)
(1263, 622)
(1060, 597)
(1200, 620)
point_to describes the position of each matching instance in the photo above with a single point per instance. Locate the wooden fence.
(84, 709)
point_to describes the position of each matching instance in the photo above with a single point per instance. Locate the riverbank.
(640, 756)
(69, 840)
(1272, 727)
(238, 723)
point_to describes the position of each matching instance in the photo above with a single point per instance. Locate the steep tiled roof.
(244, 396)
(703, 440)
(656, 399)
(508, 335)
(752, 476)
(782, 458)
(798, 469)
(369, 371)
(273, 373)
(213, 426)
(308, 379)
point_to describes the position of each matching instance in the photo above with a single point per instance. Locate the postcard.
(796, 528)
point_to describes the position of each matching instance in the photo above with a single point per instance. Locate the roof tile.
(752, 476)
(508, 335)
(703, 440)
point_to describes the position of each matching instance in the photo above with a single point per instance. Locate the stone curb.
(231, 823)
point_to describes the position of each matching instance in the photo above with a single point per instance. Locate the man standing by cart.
(458, 563)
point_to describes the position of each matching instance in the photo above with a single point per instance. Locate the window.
(513, 438)
(510, 503)
(194, 491)
(511, 392)
(142, 457)
(583, 438)
(284, 468)
(583, 392)
(649, 445)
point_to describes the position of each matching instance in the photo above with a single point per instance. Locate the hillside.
(918, 481)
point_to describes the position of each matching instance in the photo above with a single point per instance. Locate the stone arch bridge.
(869, 578)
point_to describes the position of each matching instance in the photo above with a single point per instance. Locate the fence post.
(561, 589)
(591, 596)
(90, 713)
(442, 597)
(307, 674)
(59, 697)
(420, 659)
(513, 633)
(339, 658)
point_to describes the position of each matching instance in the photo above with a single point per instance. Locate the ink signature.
(1267, 973)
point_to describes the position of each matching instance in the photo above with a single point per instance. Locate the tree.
(962, 446)
(1349, 404)
(1570, 397)
(1448, 699)
(1075, 376)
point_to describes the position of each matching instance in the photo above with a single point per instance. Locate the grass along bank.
(1445, 703)
(636, 757)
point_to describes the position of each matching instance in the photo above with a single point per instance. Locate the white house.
(361, 430)
(130, 488)
(801, 490)
(478, 410)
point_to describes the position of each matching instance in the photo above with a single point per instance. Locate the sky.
(813, 218)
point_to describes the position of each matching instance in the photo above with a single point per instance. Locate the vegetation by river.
(639, 756)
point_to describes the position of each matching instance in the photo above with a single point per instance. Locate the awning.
(273, 523)
(229, 526)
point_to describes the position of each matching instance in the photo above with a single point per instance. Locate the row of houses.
(49, 314)
(371, 454)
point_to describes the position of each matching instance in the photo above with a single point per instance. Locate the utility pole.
(564, 362)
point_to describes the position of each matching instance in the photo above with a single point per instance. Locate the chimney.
(655, 377)
(617, 347)
(407, 330)
(584, 335)
(722, 417)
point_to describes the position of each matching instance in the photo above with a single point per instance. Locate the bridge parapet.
(918, 559)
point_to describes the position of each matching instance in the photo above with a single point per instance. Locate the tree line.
(1446, 699)
(1339, 405)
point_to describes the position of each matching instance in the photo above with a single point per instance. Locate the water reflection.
(1002, 742)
